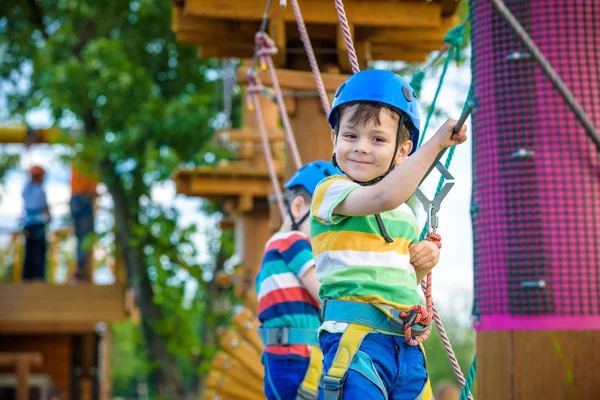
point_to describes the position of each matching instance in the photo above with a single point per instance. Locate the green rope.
(469, 382)
(446, 164)
(454, 38)
(416, 82)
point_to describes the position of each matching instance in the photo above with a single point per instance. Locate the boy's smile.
(364, 151)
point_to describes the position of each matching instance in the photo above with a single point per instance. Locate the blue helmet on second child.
(381, 87)
(308, 177)
(311, 174)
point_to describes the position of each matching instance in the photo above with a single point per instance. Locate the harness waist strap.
(287, 336)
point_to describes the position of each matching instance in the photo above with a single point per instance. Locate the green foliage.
(129, 358)
(145, 105)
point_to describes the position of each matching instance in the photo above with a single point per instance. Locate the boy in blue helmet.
(288, 295)
(365, 240)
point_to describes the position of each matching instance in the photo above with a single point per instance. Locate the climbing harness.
(309, 388)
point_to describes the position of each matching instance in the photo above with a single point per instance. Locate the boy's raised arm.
(400, 184)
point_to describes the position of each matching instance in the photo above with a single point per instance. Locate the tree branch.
(37, 18)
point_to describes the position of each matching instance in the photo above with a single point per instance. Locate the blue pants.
(400, 366)
(34, 263)
(82, 212)
(283, 375)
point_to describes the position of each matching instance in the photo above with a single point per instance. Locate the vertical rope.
(284, 115)
(470, 379)
(314, 66)
(252, 93)
(339, 5)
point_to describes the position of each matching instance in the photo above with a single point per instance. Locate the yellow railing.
(61, 254)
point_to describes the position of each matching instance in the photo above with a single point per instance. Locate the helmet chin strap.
(384, 233)
(295, 224)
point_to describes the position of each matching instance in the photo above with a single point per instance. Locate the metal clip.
(431, 207)
(432, 219)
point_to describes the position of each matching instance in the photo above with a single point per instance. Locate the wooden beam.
(247, 323)
(537, 364)
(37, 303)
(397, 54)
(375, 12)
(22, 363)
(229, 386)
(236, 346)
(277, 33)
(299, 80)
(342, 49)
(403, 35)
(228, 365)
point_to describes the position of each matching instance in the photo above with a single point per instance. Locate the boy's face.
(364, 152)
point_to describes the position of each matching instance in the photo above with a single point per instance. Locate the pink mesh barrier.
(536, 174)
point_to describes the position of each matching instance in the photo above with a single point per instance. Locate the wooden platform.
(538, 365)
(48, 308)
(229, 182)
(382, 29)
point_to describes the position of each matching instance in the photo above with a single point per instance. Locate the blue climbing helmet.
(311, 174)
(380, 87)
(308, 177)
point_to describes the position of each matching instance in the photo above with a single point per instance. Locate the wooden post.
(22, 372)
(88, 352)
(105, 364)
(22, 362)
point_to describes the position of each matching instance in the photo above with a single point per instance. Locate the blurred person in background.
(36, 217)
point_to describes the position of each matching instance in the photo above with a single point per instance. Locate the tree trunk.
(169, 380)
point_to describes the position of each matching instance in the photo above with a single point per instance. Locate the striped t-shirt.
(353, 260)
(283, 301)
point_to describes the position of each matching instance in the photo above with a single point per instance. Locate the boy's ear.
(403, 151)
(333, 137)
(297, 206)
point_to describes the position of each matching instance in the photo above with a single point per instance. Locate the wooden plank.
(56, 353)
(22, 372)
(385, 52)
(231, 187)
(400, 14)
(403, 35)
(229, 386)
(299, 80)
(277, 33)
(556, 364)
(256, 232)
(247, 134)
(228, 365)
(10, 359)
(247, 323)
(342, 49)
(43, 303)
(242, 351)
(494, 365)
(58, 327)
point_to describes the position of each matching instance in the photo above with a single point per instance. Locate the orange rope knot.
(435, 239)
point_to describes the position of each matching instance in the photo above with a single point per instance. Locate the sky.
(452, 277)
